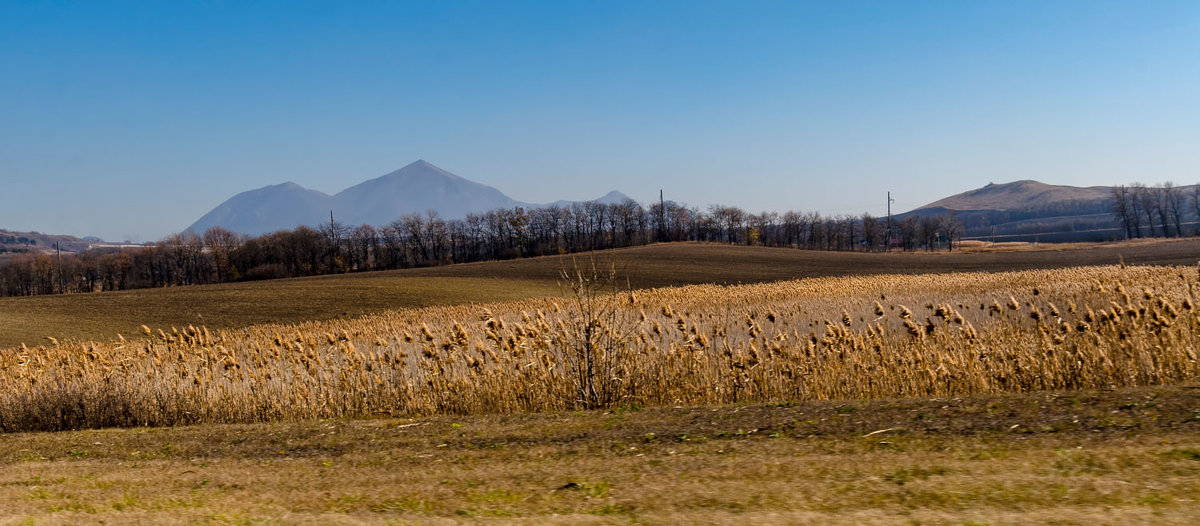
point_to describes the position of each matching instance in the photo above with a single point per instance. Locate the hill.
(1033, 211)
(415, 188)
(36, 242)
(1022, 195)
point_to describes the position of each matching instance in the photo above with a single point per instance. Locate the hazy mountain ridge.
(1021, 195)
(415, 188)
(1030, 210)
(267, 209)
(12, 242)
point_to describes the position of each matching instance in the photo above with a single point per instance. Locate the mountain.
(610, 198)
(268, 209)
(415, 188)
(1031, 211)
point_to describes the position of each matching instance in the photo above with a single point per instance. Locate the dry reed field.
(234, 305)
(861, 337)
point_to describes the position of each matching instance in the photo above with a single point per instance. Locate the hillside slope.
(268, 209)
(1021, 195)
(12, 242)
(1033, 211)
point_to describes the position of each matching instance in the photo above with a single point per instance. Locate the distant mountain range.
(415, 188)
(1017, 211)
(1033, 211)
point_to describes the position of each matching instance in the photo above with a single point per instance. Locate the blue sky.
(129, 120)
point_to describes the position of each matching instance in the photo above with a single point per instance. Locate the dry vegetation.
(829, 338)
(235, 305)
(1127, 456)
(1035, 396)
(31, 320)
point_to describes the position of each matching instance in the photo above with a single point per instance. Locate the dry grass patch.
(827, 338)
(102, 316)
(943, 461)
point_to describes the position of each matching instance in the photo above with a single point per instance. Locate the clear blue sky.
(132, 119)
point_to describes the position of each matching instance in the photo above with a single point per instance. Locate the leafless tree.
(1122, 211)
(1173, 201)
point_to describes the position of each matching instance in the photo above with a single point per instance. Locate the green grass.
(102, 316)
(1007, 459)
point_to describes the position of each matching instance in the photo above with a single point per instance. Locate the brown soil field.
(689, 263)
(102, 316)
(1084, 457)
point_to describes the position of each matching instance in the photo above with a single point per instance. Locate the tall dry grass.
(830, 338)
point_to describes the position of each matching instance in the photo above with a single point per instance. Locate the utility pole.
(58, 263)
(662, 216)
(334, 241)
(888, 241)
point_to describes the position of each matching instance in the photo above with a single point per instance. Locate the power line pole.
(335, 240)
(662, 216)
(888, 241)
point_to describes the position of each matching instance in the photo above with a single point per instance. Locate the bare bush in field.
(829, 338)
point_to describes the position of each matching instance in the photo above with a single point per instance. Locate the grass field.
(103, 316)
(987, 436)
(1086, 457)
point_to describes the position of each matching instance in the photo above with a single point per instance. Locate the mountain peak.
(422, 170)
(421, 163)
(613, 197)
(417, 187)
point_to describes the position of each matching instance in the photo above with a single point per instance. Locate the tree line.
(1161, 209)
(418, 240)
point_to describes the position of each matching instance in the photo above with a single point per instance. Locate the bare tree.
(928, 228)
(951, 228)
(363, 243)
(1196, 200)
(1144, 200)
(1173, 200)
(1135, 208)
(595, 345)
(335, 235)
(1158, 200)
(219, 243)
(1121, 209)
